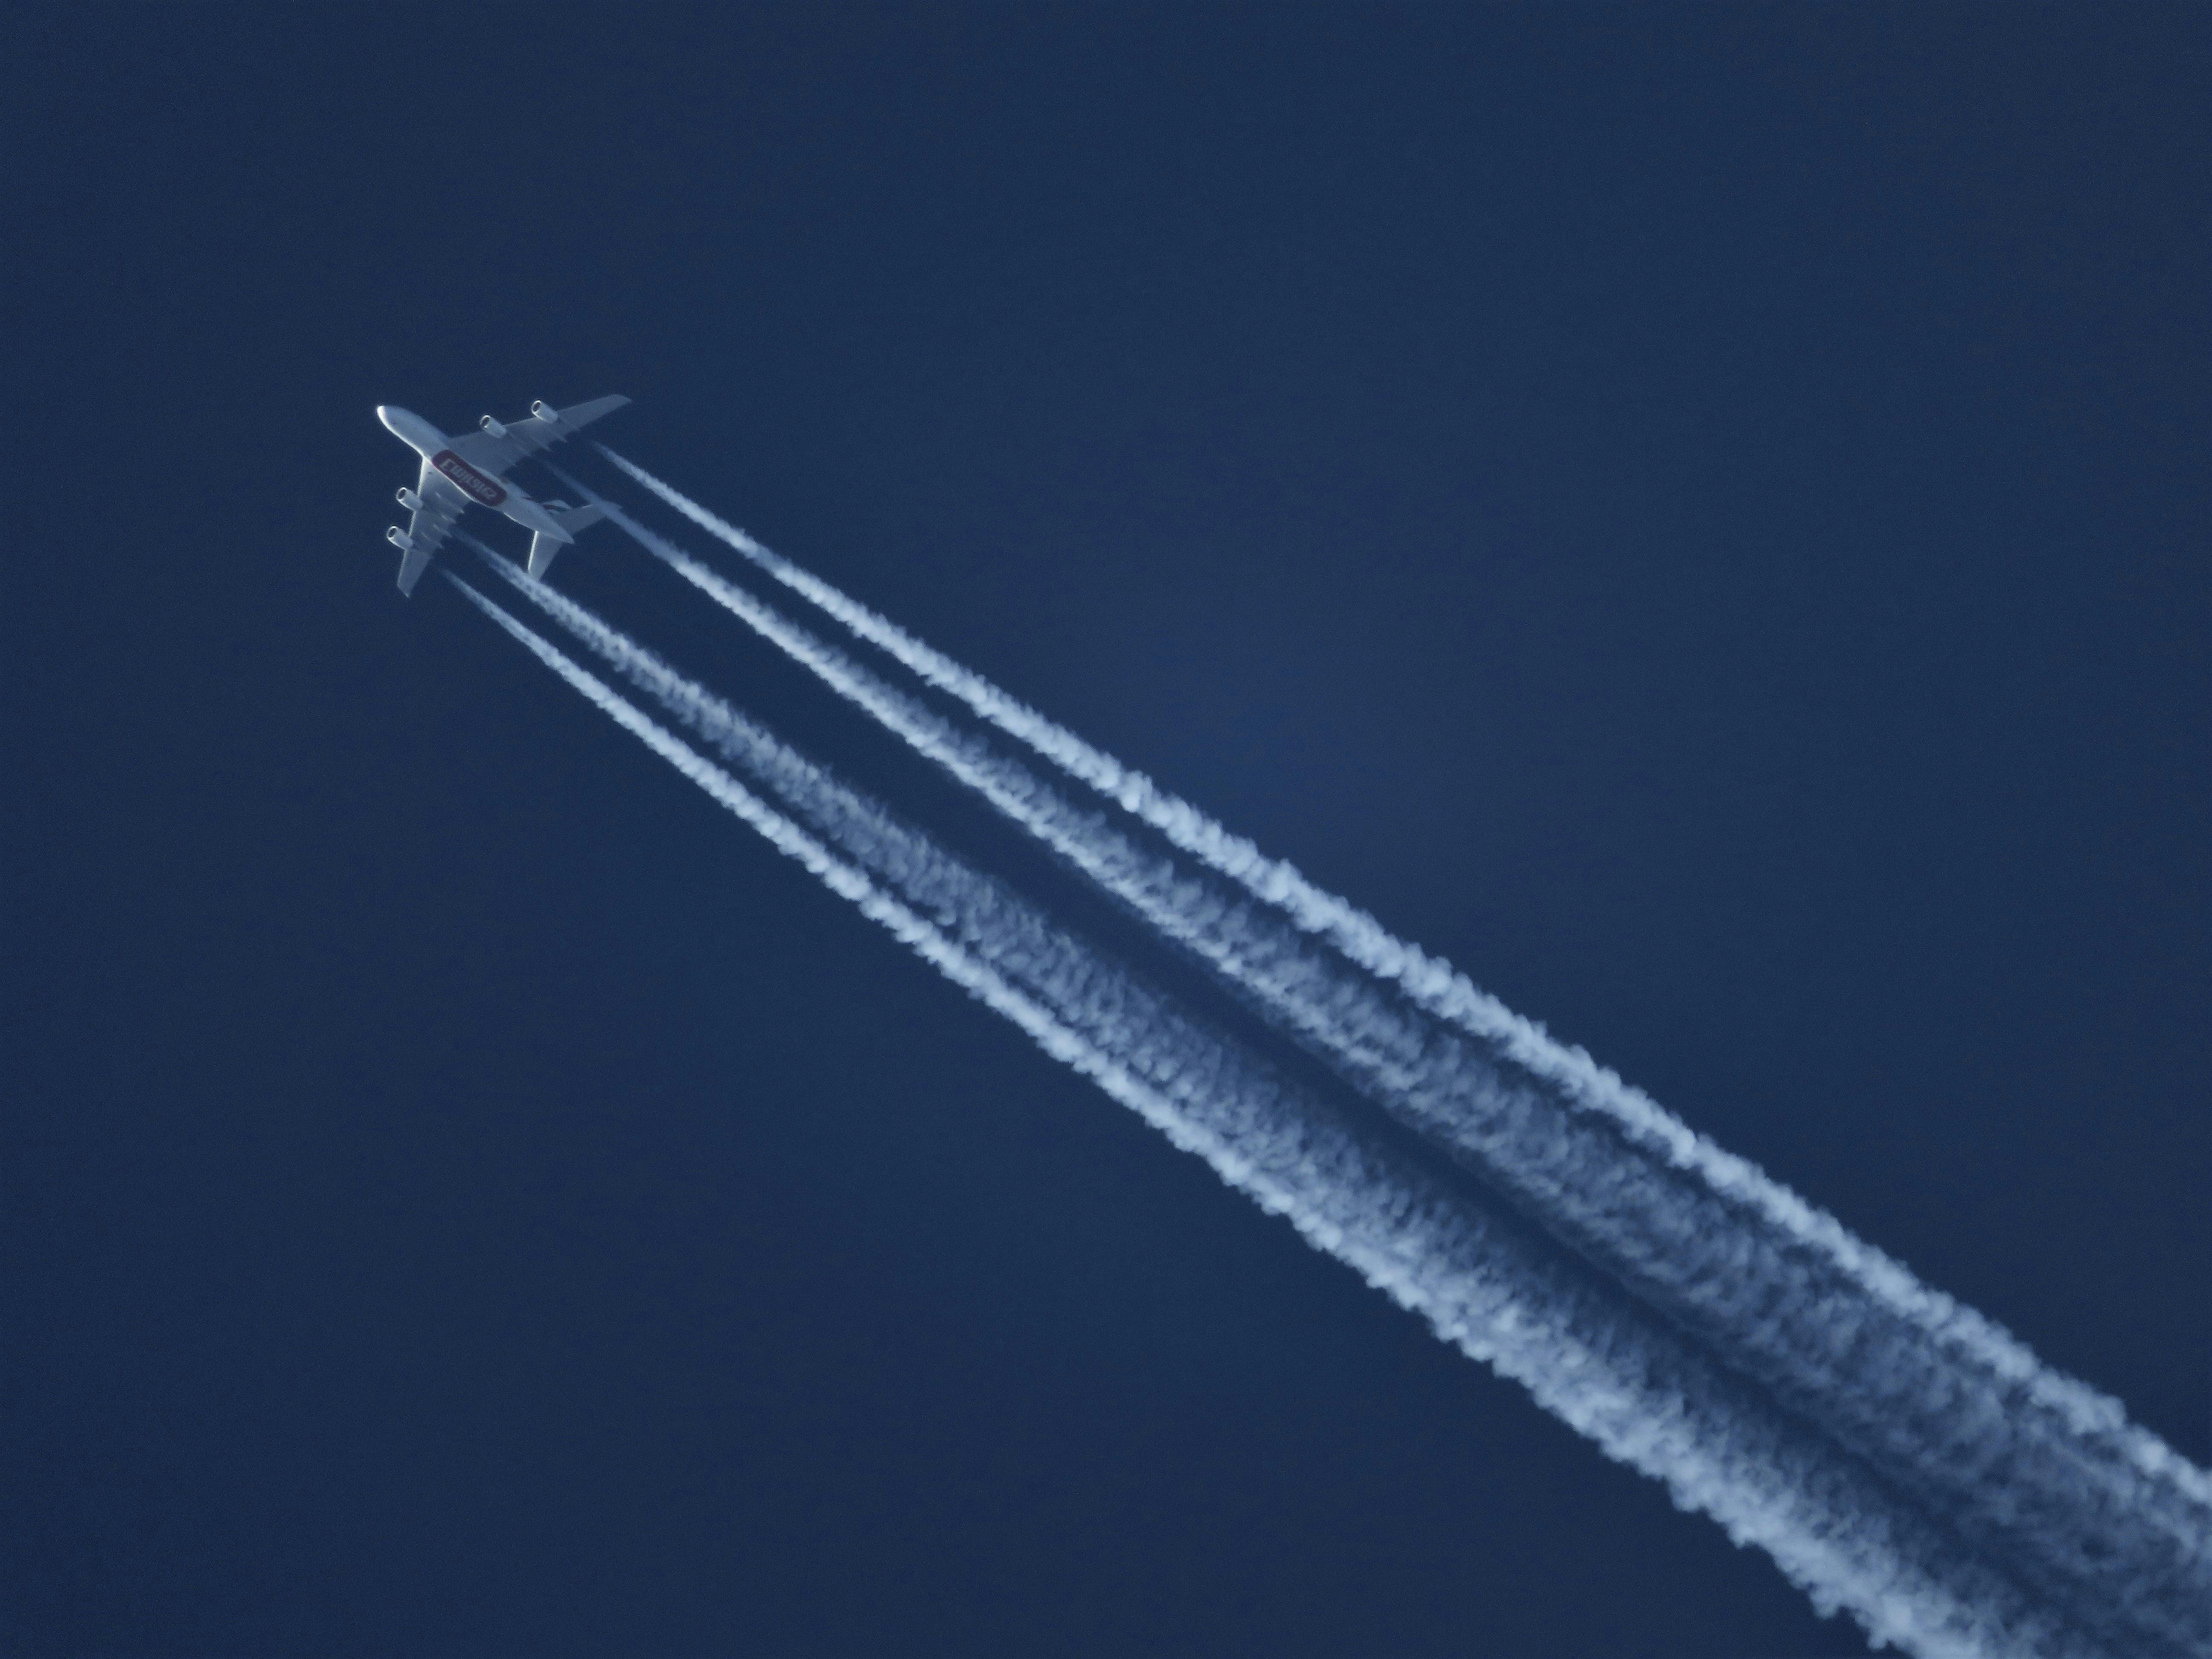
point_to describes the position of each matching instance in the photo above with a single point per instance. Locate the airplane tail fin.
(571, 519)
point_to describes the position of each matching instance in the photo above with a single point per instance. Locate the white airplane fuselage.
(485, 488)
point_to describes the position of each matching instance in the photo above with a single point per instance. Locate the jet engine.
(400, 540)
(410, 499)
(546, 411)
(493, 427)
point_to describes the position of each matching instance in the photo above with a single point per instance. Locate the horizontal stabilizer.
(543, 547)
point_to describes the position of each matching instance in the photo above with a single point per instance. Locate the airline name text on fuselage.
(479, 486)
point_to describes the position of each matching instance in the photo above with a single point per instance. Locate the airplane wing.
(442, 505)
(546, 427)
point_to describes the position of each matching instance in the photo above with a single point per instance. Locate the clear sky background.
(1699, 518)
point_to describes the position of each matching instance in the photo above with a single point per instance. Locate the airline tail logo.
(479, 486)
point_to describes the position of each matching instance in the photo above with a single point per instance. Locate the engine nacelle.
(546, 411)
(410, 499)
(400, 540)
(493, 427)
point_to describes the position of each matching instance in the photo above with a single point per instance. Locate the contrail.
(1595, 1360)
(1436, 985)
(1790, 1318)
(1927, 1390)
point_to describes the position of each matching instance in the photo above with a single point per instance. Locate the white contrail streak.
(1598, 1362)
(1435, 985)
(1924, 1388)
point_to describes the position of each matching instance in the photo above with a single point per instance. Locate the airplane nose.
(384, 414)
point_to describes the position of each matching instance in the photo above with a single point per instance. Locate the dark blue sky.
(1703, 520)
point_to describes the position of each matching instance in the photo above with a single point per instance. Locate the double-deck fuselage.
(484, 489)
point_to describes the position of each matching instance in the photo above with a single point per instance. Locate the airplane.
(472, 468)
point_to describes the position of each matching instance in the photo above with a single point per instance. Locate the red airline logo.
(479, 488)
